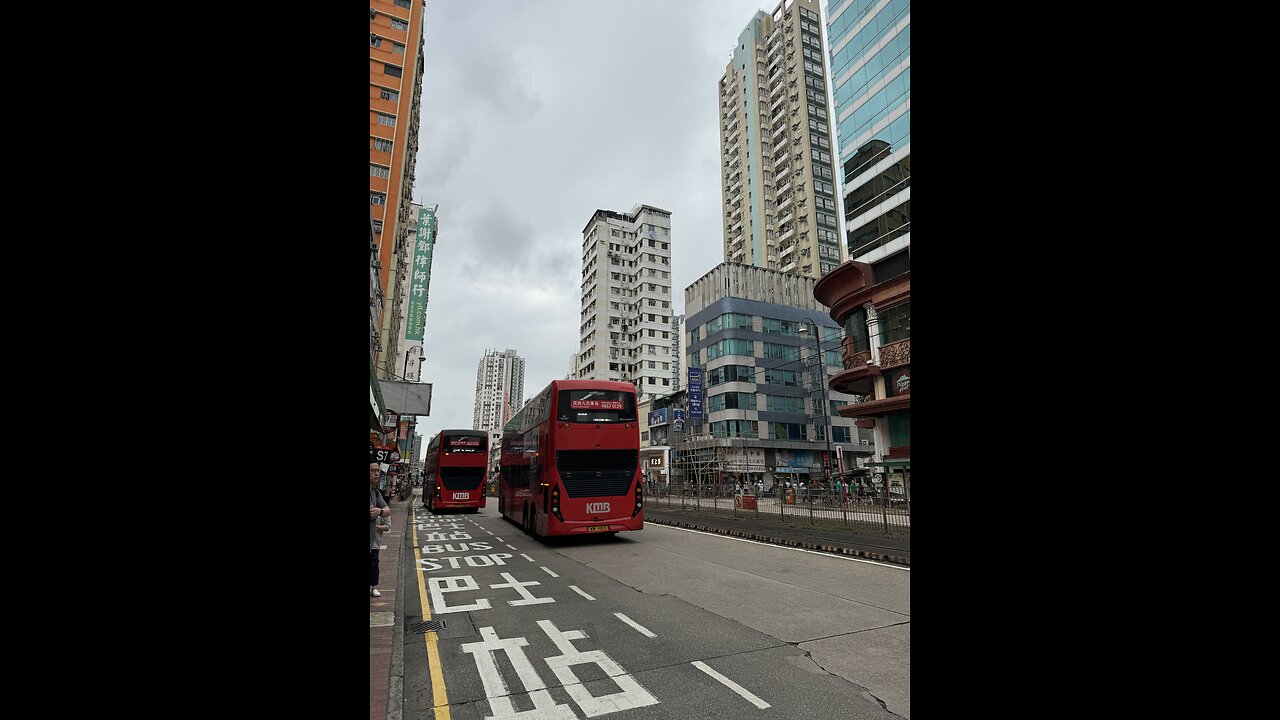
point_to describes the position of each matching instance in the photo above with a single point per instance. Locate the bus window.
(596, 406)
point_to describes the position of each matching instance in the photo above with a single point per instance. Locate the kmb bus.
(455, 470)
(570, 461)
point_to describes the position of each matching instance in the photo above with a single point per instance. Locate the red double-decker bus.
(570, 461)
(455, 470)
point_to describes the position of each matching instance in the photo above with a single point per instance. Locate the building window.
(779, 403)
(840, 433)
(787, 378)
(744, 348)
(377, 226)
(788, 431)
(377, 198)
(397, 48)
(895, 323)
(386, 120)
(900, 429)
(382, 145)
(391, 70)
(374, 40)
(399, 24)
(779, 327)
(728, 321)
(891, 267)
(731, 401)
(403, 3)
(379, 171)
(775, 351)
(734, 428)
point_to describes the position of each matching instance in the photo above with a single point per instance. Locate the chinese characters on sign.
(695, 392)
(595, 404)
(420, 265)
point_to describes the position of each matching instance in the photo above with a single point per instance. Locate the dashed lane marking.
(745, 693)
(643, 630)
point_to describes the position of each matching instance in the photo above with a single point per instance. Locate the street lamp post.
(826, 406)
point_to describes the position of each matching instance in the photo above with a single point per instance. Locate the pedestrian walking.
(377, 509)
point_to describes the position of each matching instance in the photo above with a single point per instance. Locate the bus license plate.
(597, 528)
(461, 496)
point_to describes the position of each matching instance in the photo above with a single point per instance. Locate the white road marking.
(578, 590)
(513, 547)
(526, 557)
(643, 631)
(783, 547)
(547, 571)
(745, 693)
(438, 586)
(495, 687)
(528, 597)
(631, 694)
(495, 537)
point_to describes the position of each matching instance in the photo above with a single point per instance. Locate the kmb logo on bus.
(597, 507)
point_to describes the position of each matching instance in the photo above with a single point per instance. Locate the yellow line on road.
(440, 696)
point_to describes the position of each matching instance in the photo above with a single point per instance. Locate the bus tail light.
(438, 492)
(639, 500)
(555, 503)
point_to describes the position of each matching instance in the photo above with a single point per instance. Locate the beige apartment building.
(777, 151)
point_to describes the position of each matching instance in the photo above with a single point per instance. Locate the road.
(663, 623)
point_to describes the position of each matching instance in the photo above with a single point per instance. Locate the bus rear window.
(596, 406)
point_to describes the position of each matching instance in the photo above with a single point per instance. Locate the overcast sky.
(535, 114)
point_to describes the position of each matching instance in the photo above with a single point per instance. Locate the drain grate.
(426, 627)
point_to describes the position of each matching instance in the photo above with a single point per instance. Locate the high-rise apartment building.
(871, 83)
(625, 324)
(499, 389)
(395, 89)
(777, 161)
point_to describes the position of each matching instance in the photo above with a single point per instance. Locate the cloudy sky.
(535, 114)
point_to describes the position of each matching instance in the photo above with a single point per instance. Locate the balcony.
(786, 233)
(895, 354)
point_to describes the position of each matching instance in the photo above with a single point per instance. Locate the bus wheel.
(528, 520)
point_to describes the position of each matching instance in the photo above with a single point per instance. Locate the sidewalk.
(386, 622)
(768, 528)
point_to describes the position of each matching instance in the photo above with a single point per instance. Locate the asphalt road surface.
(661, 623)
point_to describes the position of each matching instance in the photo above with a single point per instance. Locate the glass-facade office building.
(870, 50)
